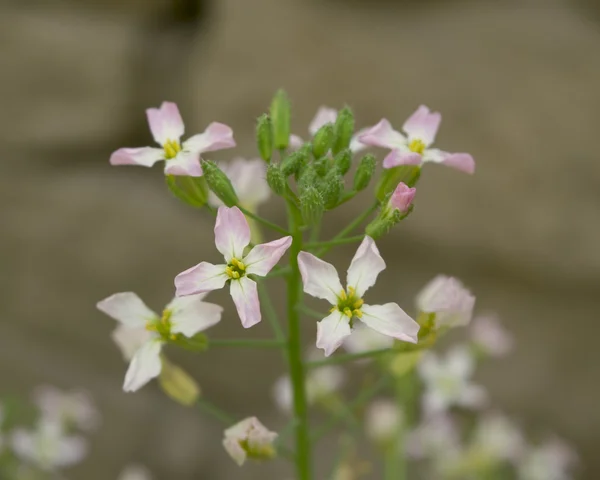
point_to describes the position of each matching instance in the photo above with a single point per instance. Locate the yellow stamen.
(417, 146)
(343, 296)
(239, 265)
(347, 312)
(358, 313)
(172, 148)
(358, 303)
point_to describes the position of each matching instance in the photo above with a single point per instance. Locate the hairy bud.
(264, 137)
(343, 161)
(333, 187)
(219, 183)
(323, 140)
(292, 164)
(364, 173)
(280, 119)
(312, 205)
(276, 179)
(344, 128)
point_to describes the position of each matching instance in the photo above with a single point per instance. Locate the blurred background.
(517, 83)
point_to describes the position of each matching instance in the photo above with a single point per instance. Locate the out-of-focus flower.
(553, 460)
(249, 439)
(74, 408)
(437, 437)
(414, 148)
(447, 381)
(364, 339)
(232, 236)
(48, 447)
(488, 334)
(383, 421)
(142, 332)
(167, 129)
(321, 280)
(135, 472)
(498, 438)
(249, 180)
(448, 299)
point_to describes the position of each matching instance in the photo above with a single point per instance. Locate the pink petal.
(245, 296)
(190, 315)
(295, 142)
(448, 299)
(249, 179)
(232, 233)
(165, 123)
(331, 331)
(144, 156)
(356, 145)
(144, 367)
(324, 116)
(402, 197)
(461, 161)
(366, 265)
(217, 136)
(423, 125)
(397, 157)
(262, 258)
(204, 277)
(127, 308)
(185, 163)
(320, 278)
(383, 135)
(390, 320)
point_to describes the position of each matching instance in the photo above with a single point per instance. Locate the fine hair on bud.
(264, 137)
(364, 172)
(333, 185)
(323, 140)
(219, 183)
(280, 119)
(276, 179)
(343, 161)
(344, 128)
(312, 205)
(292, 164)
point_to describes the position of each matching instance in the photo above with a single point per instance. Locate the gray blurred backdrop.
(517, 82)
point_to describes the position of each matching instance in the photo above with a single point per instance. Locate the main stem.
(294, 291)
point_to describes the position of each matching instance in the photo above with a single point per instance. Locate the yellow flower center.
(172, 148)
(236, 269)
(417, 146)
(349, 303)
(162, 326)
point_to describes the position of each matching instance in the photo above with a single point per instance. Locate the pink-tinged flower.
(447, 381)
(73, 409)
(180, 158)
(232, 236)
(402, 197)
(324, 116)
(321, 280)
(249, 180)
(488, 334)
(413, 147)
(448, 299)
(249, 439)
(552, 460)
(142, 333)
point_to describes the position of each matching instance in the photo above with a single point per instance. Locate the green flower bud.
(323, 140)
(280, 119)
(409, 174)
(178, 384)
(264, 137)
(276, 179)
(343, 161)
(307, 177)
(312, 205)
(365, 171)
(333, 188)
(219, 183)
(344, 128)
(292, 164)
(190, 190)
(322, 166)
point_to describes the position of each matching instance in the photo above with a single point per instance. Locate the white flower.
(74, 408)
(232, 236)
(249, 180)
(142, 332)
(488, 333)
(383, 420)
(447, 381)
(321, 280)
(249, 439)
(552, 460)
(498, 437)
(135, 472)
(436, 437)
(451, 302)
(48, 447)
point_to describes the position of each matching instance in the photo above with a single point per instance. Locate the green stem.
(278, 272)
(271, 314)
(215, 412)
(332, 243)
(264, 221)
(391, 465)
(310, 312)
(303, 453)
(244, 342)
(348, 357)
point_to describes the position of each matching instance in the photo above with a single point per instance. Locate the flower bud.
(264, 137)
(333, 187)
(190, 190)
(322, 166)
(402, 198)
(343, 161)
(280, 119)
(177, 384)
(408, 174)
(323, 140)
(364, 173)
(219, 183)
(307, 177)
(344, 128)
(292, 164)
(312, 205)
(249, 439)
(276, 179)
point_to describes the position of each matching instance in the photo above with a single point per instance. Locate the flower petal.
(364, 339)
(389, 319)
(245, 296)
(460, 161)
(383, 135)
(295, 142)
(127, 308)
(249, 179)
(234, 449)
(399, 157)
(144, 366)
(331, 331)
(423, 125)
(262, 258)
(324, 116)
(144, 156)
(217, 136)
(366, 265)
(185, 163)
(448, 299)
(232, 233)
(165, 123)
(204, 277)
(130, 340)
(190, 315)
(320, 278)
(355, 143)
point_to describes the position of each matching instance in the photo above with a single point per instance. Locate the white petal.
(391, 320)
(245, 296)
(130, 339)
(232, 233)
(473, 396)
(249, 179)
(235, 450)
(262, 258)
(203, 277)
(460, 362)
(355, 144)
(331, 331)
(144, 156)
(190, 315)
(217, 136)
(365, 267)
(383, 135)
(320, 278)
(423, 125)
(70, 450)
(144, 366)
(295, 142)
(165, 123)
(127, 308)
(283, 394)
(185, 164)
(324, 116)
(364, 339)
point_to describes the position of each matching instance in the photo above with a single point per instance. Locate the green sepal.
(323, 140)
(343, 129)
(409, 174)
(219, 183)
(264, 137)
(364, 172)
(280, 119)
(192, 191)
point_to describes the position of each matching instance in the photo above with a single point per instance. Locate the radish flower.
(448, 299)
(249, 180)
(74, 409)
(249, 439)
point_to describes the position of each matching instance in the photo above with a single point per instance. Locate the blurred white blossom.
(553, 460)
(249, 439)
(498, 438)
(437, 437)
(383, 421)
(488, 334)
(73, 409)
(365, 339)
(135, 472)
(447, 297)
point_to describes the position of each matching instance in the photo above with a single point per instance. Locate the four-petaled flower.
(249, 439)
(180, 158)
(448, 299)
(142, 332)
(414, 148)
(232, 236)
(321, 280)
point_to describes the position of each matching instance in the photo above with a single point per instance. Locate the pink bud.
(402, 197)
